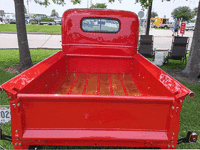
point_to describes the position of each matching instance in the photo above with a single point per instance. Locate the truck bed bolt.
(18, 104)
(173, 133)
(20, 143)
(15, 143)
(172, 146)
(169, 146)
(181, 101)
(172, 107)
(16, 131)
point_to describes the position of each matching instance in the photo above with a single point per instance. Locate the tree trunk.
(148, 19)
(192, 68)
(24, 53)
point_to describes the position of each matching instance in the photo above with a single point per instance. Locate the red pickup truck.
(97, 91)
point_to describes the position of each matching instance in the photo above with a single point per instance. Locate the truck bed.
(98, 84)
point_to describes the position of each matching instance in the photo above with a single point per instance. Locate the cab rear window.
(100, 25)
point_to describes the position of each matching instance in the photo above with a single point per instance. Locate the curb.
(6, 32)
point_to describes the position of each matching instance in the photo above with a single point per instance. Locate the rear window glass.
(100, 25)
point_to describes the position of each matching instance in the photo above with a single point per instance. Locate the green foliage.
(47, 19)
(99, 5)
(195, 10)
(182, 13)
(144, 3)
(154, 14)
(54, 13)
(76, 1)
(25, 11)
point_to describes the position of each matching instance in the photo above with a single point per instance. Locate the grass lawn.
(190, 113)
(32, 28)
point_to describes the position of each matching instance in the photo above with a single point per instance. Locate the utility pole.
(148, 19)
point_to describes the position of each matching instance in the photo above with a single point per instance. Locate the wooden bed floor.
(98, 84)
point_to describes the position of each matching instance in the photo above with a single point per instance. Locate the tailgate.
(97, 120)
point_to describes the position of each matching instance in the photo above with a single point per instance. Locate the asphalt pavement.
(162, 40)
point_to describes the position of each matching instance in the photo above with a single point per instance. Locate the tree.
(54, 13)
(192, 69)
(182, 13)
(99, 5)
(24, 53)
(154, 14)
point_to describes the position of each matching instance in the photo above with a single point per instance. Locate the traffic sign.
(140, 14)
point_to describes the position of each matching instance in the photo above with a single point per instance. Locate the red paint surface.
(45, 118)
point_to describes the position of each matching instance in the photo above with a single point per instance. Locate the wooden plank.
(92, 84)
(117, 87)
(130, 86)
(79, 85)
(66, 84)
(104, 85)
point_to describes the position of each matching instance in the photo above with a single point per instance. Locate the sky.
(162, 8)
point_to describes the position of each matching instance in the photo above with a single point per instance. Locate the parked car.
(58, 20)
(41, 19)
(9, 18)
(190, 26)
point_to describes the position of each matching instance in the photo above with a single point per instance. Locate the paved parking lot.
(162, 40)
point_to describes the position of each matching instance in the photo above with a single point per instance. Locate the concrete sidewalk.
(162, 40)
(35, 41)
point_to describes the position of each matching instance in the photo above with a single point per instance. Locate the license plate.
(5, 114)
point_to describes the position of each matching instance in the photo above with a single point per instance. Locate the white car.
(190, 26)
(9, 18)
